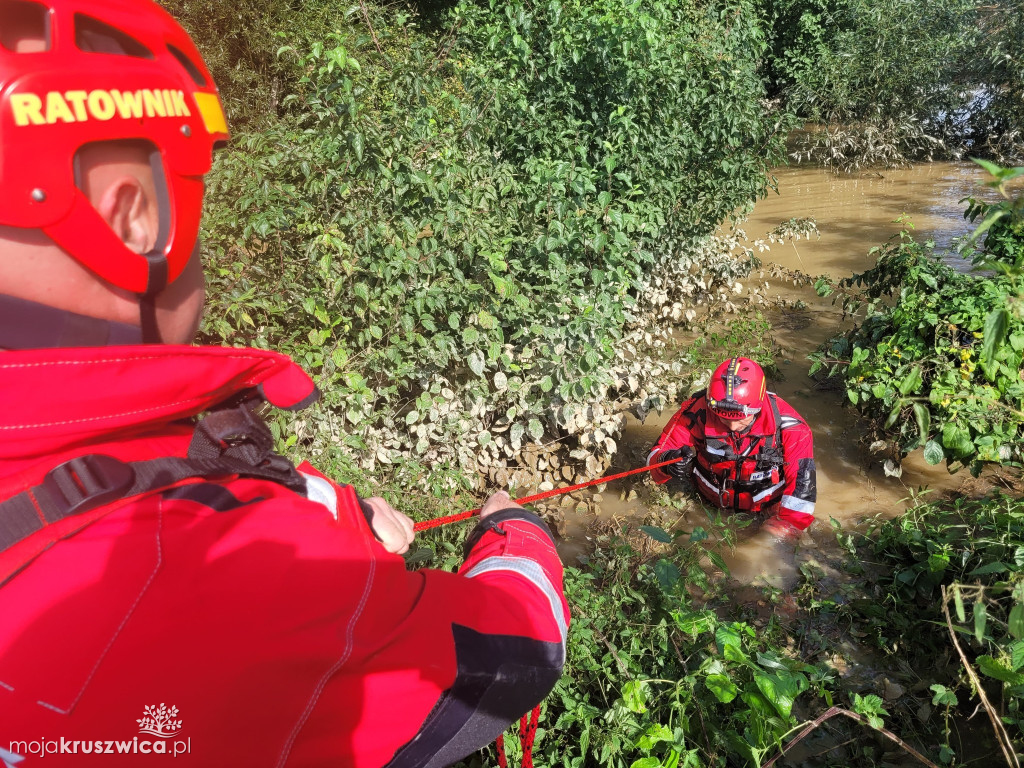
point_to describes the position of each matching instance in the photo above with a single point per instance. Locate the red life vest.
(748, 481)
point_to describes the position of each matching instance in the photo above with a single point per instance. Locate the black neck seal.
(29, 325)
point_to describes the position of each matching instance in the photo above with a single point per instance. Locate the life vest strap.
(231, 440)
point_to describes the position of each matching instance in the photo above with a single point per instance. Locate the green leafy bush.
(452, 234)
(966, 555)
(917, 364)
(1001, 223)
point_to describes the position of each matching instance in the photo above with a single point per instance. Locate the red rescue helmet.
(737, 389)
(111, 70)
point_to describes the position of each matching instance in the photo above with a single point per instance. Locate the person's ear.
(128, 211)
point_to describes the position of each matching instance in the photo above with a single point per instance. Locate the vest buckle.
(84, 483)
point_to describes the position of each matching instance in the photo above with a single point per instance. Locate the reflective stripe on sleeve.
(322, 492)
(798, 505)
(531, 570)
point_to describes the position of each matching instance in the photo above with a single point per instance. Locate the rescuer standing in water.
(744, 448)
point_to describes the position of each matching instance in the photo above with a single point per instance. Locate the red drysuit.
(767, 467)
(250, 624)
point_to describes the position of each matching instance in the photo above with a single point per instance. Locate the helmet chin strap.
(147, 320)
(156, 259)
(147, 301)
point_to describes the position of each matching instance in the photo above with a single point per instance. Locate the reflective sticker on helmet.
(213, 114)
(81, 106)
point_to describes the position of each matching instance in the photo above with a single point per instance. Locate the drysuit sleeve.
(677, 435)
(442, 662)
(796, 507)
(505, 620)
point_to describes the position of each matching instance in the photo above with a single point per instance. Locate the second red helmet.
(737, 389)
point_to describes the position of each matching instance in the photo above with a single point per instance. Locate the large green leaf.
(695, 623)
(996, 669)
(933, 453)
(923, 419)
(911, 381)
(1016, 622)
(894, 414)
(997, 324)
(980, 620)
(634, 694)
(725, 690)
(957, 440)
(656, 533)
(667, 573)
(730, 643)
(781, 689)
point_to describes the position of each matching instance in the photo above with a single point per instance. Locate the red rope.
(527, 735)
(500, 744)
(531, 734)
(444, 520)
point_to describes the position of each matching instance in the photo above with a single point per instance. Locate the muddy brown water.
(854, 213)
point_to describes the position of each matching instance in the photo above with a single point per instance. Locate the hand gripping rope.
(528, 723)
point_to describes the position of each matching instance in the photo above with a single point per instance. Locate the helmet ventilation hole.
(24, 26)
(190, 67)
(93, 36)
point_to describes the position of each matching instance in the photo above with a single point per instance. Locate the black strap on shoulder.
(231, 440)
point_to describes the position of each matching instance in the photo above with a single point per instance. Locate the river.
(854, 213)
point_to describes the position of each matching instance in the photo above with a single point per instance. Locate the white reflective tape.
(531, 570)
(788, 421)
(322, 492)
(9, 759)
(768, 492)
(707, 483)
(650, 456)
(798, 505)
(715, 451)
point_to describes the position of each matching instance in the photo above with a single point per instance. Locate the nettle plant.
(936, 360)
(452, 234)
